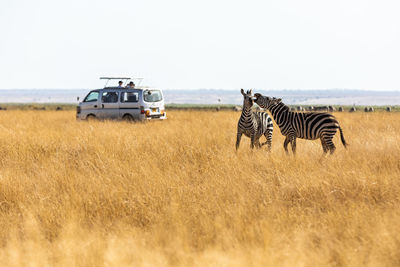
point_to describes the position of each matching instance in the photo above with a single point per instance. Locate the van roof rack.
(124, 79)
(115, 78)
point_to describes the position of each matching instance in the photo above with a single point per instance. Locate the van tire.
(90, 117)
(127, 117)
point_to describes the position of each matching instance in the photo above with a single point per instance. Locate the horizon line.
(219, 89)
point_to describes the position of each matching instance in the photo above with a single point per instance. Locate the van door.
(91, 104)
(109, 105)
(129, 103)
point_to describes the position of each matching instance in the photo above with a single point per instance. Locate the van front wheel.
(90, 117)
(127, 117)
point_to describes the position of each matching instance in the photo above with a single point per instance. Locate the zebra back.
(310, 125)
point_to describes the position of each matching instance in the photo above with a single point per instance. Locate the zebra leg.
(285, 144)
(324, 145)
(332, 148)
(238, 138)
(293, 144)
(257, 143)
(252, 138)
(330, 145)
(268, 135)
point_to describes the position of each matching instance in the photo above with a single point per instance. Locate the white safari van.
(121, 102)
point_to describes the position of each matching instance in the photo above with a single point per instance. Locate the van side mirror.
(77, 98)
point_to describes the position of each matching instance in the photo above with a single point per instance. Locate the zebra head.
(266, 101)
(248, 98)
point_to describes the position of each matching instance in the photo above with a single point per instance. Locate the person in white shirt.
(130, 85)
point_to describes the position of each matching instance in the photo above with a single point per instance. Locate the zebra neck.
(279, 111)
(246, 112)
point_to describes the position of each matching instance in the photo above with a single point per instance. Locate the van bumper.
(154, 117)
(79, 117)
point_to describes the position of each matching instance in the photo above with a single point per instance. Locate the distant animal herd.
(319, 108)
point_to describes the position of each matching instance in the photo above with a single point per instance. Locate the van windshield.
(152, 95)
(92, 97)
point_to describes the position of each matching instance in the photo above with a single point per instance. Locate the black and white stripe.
(253, 124)
(309, 125)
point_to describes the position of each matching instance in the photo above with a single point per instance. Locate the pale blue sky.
(282, 44)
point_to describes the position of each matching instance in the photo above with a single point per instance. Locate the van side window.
(129, 97)
(92, 97)
(109, 97)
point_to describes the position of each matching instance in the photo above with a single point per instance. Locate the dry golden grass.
(176, 193)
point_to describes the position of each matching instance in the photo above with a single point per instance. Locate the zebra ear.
(242, 91)
(278, 100)
(251, 91)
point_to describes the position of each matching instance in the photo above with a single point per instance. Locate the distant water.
(214, 96)
(41, 95)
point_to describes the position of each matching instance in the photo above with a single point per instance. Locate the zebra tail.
(342, 137)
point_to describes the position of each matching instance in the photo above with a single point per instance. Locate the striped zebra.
(310, 125)
(253, 124)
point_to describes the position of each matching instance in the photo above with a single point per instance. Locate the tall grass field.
(176, 193)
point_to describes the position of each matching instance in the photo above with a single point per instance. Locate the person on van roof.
(130, 85)
(120, 84)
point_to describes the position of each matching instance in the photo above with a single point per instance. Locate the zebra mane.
(278, 103)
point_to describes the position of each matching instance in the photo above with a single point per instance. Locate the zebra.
(253, 124)
(310, 125)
